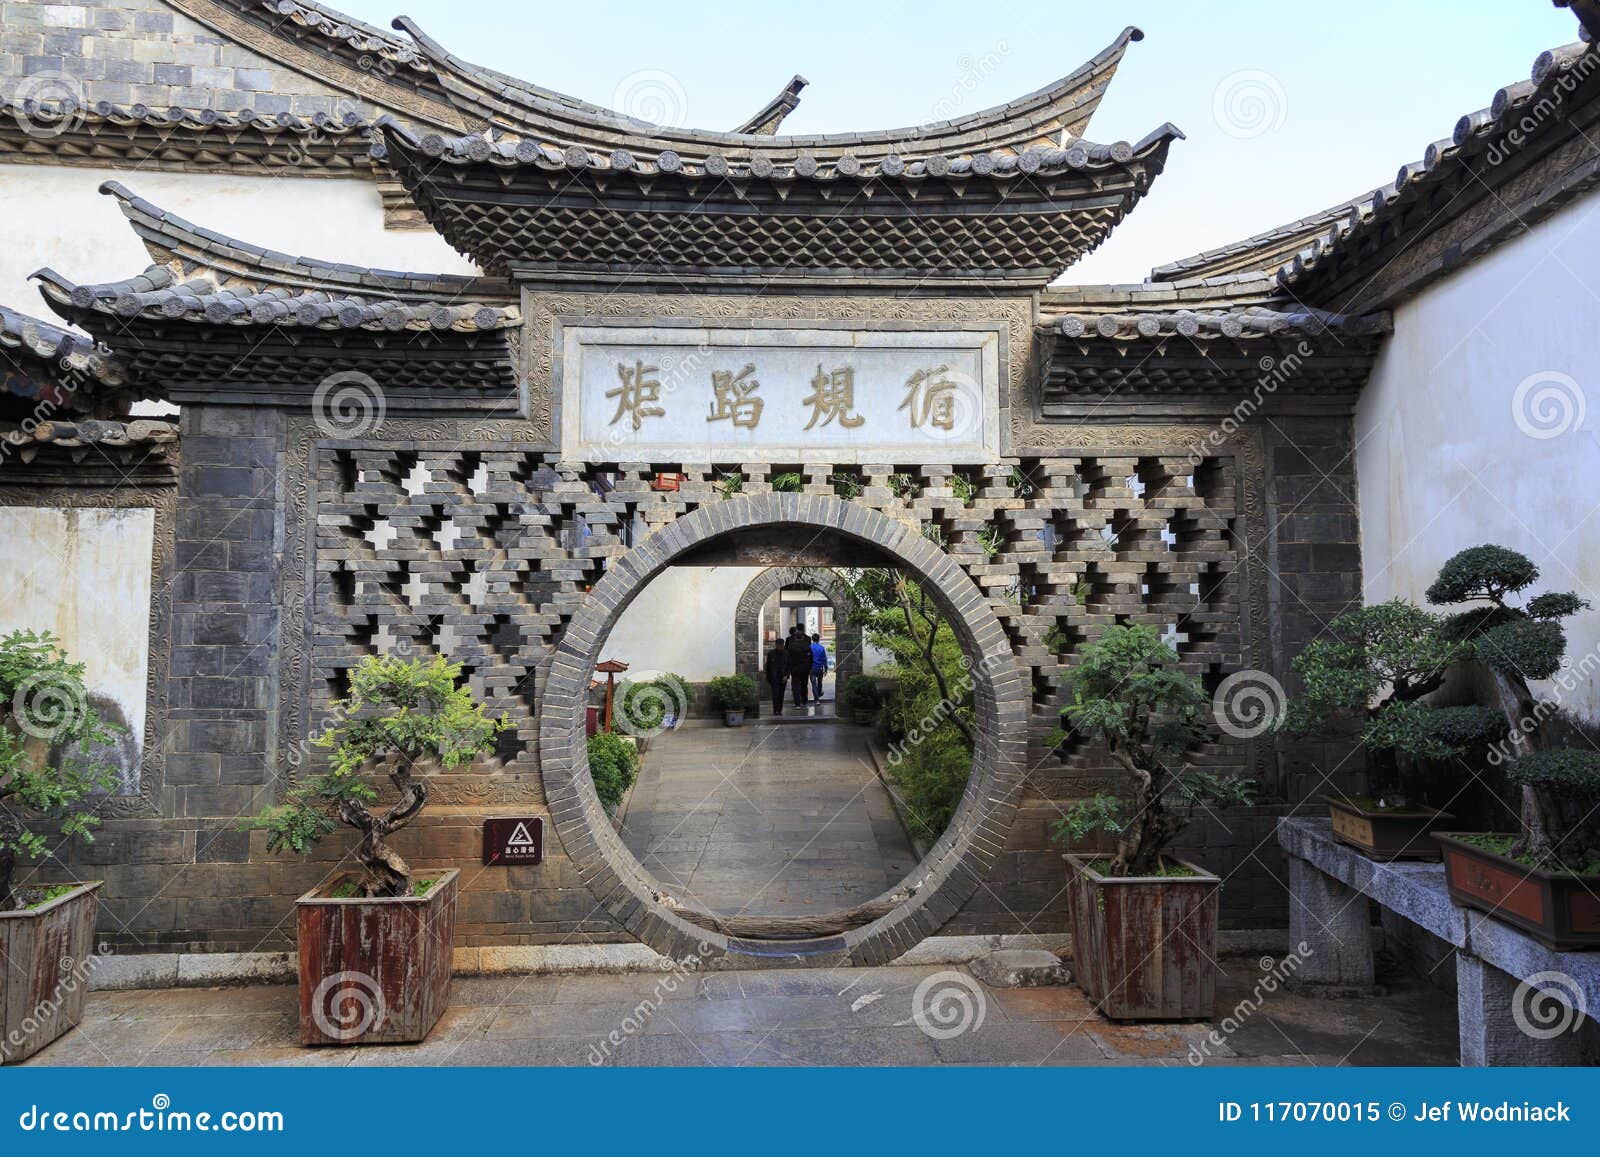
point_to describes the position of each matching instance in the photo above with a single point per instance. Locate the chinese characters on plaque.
(689, 393)
(735, 397)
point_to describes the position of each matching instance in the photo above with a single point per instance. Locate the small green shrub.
(51, 750)
(613, 765)
(861, 693)
(643, 706)
(730, 484)
(788, 483)
(845, 486)
(733, 692)
(931, 775)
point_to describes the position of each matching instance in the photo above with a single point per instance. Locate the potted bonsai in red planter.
(375, 946)
(1544, 878)
(1144, 923)
(1378, 663)
(52, 766)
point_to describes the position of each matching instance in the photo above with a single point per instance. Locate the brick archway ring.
(953, 868)
(747, 643)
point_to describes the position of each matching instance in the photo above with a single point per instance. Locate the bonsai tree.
(52, 742)
(733, 692)
(1378, 663)
(399, 714)
(1558, 787)
(1129, 692)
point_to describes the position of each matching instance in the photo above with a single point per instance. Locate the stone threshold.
(219, 969)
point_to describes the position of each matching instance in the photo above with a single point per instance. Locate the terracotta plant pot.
(1558, 909)
(1145, 948)
(376, 971)
(1386, 834)
(46, 954)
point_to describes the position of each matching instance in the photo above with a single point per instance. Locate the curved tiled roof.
(1052, 115)
(102, 134)
(190, 249)
(59, 355)
(157, 294)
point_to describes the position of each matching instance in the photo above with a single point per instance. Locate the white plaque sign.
(666, 394)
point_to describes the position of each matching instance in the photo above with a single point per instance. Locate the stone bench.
(1328, 886)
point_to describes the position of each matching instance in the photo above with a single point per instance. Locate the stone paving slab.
(766, 820)
(822, 1017)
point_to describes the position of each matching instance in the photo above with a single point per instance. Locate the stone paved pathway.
(771, 819)
(842, 1017)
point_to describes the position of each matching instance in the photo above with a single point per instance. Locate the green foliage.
(845, 486)
(1018, 481)
(402, 710)
(1565, 771)
(613, 765)
(1129, 692)
(52, 743)
(961, 486)
(931, 775)
(733, 692)
(787, 483)
(643, 704)
(1482, 572)
(1427, 732)
(1057, 640)
(730, 484)
(904, 486)
(1523, 648)
(861, 693)
(1555, 605)
(992, 539)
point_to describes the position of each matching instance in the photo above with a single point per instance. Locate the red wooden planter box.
(1145, 948)
(1389, 834)
(376, 971)
(1558, 909)
(45, 957)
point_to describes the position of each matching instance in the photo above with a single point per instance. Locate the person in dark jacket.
(777, 673)
(797, 649)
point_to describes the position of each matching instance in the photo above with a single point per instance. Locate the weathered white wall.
(54, 216)
(1453, 450)
(682, 622)
(85, 575)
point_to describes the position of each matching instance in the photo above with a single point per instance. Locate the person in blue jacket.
(819, 667)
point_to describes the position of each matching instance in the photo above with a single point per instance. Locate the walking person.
(819, 667)
(797, 651)
(777, 673)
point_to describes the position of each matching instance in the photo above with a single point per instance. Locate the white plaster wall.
(682, 622)
(85, 575)
(1447, 453)
(54, 216)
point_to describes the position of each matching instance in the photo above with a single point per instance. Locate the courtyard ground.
(769, 819)
(842, 1017)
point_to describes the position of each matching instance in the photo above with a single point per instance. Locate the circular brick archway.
(748, 647)
(953, 868)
